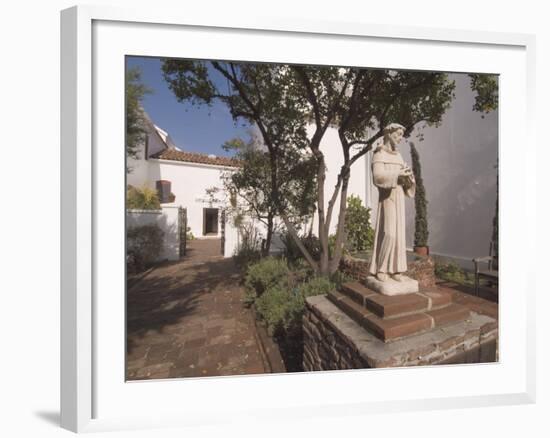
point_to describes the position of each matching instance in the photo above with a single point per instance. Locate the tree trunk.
(340, 229)
(269, 236)
(290, 228)
(323, 233)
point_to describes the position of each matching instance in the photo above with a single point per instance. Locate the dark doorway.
(210, 221)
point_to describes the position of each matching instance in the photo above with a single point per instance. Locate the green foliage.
(143, 198)
(486, 88)
(135, 117)
(339, 278)
(263, 275)
(282, 100)
(331, 243)
(189, 235)
(360, 235)
(249, 249)
(450, 271)
(281, 307)
(143, 246)
(280, 310)
(315, 286)
(421, 232)
(245, 256)
(255, 188)
(293, 253)
(279, 293)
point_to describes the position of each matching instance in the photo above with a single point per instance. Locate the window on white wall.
(164, 190)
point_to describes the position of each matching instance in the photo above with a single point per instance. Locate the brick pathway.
(186, 319)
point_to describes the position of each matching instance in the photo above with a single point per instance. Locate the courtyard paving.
(187, 319)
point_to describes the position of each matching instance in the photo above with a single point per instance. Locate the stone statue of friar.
(394, 180)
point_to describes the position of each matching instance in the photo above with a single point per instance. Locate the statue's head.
(393, 133)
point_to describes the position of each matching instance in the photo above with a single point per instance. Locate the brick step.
(390, 329)
(394, 306)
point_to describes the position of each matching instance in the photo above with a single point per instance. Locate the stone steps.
(395, 317)
(394, 306)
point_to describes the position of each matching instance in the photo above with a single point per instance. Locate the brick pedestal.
(394, 317)
(420, 268)
(333, 340)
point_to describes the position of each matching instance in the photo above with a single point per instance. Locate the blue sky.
(193, 128)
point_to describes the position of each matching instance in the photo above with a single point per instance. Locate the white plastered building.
(188, 175)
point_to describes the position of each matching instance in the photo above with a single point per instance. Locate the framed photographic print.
(252, 210)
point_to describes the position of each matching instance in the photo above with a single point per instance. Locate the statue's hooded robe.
(389, 255)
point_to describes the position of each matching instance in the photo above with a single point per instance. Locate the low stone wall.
(421, 269)
(333, 341)
(325, 349)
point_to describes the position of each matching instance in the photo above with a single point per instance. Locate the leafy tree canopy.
(486, 88)
(250, 183)
(283, 101)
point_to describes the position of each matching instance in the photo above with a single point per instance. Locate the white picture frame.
(93, 397)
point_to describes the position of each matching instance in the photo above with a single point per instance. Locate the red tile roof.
(194, 157)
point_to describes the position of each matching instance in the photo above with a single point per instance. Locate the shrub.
(280, 309)
(315, 286)
(293, 253)
(244, 257)
(143, 246)
(265, 274)
(249, 247)
(142, 198)
(452, 272)
(250, 236)
(360, 235)
(281, 306)
(339, 278)
(421, 232)
(332, 244)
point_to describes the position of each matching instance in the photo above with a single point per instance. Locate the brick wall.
(421, 269)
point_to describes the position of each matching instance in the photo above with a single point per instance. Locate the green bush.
(281, 306)
(244, 257)
(315, 286)
(280, 309)
(450, 271)
(293, 253)
(360, 235)
(142, 198)
(421, 232)
(339, 278)
(143, 246)
(249, 249)
(265, 274)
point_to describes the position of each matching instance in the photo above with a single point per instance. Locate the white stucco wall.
(231, 239)
(167, 220)
(458, 167)
(140, 166)
(332, 150)
(458, 161)
(189, 183)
